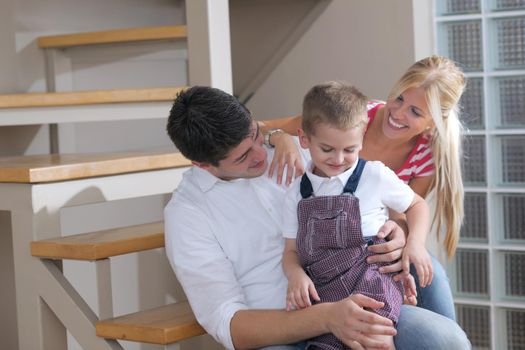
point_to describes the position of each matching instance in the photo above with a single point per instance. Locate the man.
(224, 242)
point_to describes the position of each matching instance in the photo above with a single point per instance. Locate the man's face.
(247, 160)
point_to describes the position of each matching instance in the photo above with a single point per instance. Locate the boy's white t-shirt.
(379, 189)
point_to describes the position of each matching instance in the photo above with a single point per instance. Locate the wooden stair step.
(62, 167)
(53, 99)
(113, 36)
(101, 244)
(163, 325)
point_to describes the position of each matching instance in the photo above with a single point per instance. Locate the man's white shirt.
(225, 244)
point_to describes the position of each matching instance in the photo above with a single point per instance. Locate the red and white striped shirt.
(419, 162)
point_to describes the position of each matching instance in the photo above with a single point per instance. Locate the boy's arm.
(300, 286)
(418, 221)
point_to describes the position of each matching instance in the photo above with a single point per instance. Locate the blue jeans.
(436, 297)
(421, 329)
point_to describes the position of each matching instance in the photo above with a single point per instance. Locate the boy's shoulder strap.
(353, 180)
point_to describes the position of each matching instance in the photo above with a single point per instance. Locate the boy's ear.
(205, 166)
(303, 139)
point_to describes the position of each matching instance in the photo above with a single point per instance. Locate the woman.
(417, 133)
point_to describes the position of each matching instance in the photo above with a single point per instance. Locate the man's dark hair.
(205, 124)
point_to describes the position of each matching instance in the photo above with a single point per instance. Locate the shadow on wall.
(21, 140)
(8, 329)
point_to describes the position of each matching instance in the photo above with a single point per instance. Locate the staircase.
(37, 189)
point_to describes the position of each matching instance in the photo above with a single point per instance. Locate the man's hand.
(351, 323)
(391, 251)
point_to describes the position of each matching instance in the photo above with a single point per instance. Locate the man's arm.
(202, 268)
(346, 319)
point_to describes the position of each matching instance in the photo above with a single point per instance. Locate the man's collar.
(204, 178)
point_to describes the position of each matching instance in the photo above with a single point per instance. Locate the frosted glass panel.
(475, 224)
(472, 273)
(511, 42)
(515, 329)
(513, 206)
(513, 160)
(511, 92)
(464, 44)
(514, 274)
(472, 103)
(473, 164)
(462, 6)
(475, 321)
(509, 4)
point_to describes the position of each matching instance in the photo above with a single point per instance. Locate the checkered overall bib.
(333, 252)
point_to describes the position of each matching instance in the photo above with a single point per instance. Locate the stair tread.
(102, 244)
(52, 99)
(113, 36)
(163, 325)
(61, 167)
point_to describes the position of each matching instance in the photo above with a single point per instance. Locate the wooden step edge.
(58, 99)
(102, 244)
(163, 325)
(113, 36)
(65, 167)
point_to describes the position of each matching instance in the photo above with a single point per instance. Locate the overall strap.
(351, 185)
(353, 180)
(306, 187)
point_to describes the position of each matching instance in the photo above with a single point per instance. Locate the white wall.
(7, 40)
(368, 43)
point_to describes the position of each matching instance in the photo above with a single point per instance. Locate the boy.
(335, 210)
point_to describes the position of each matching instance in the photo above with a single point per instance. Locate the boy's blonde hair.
(335, 103)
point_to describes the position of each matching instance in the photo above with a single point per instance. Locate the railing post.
(209, 52)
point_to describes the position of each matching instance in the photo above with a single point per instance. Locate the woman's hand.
(286, 156)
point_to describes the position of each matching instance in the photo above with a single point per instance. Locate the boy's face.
(247, 160)
(333, 150)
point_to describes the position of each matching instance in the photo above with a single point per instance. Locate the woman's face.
(407, 115)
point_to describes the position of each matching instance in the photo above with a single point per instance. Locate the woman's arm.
(286, 155)
(289, 125)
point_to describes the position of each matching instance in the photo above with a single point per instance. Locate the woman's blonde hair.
(444, 83)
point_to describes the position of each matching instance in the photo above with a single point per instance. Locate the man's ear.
(205, 166)
(303, 139)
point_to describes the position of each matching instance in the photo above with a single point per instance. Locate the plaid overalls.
(333, 252)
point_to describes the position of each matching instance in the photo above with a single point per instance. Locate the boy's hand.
(418, 255)
(300, 288)
(409, 285)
